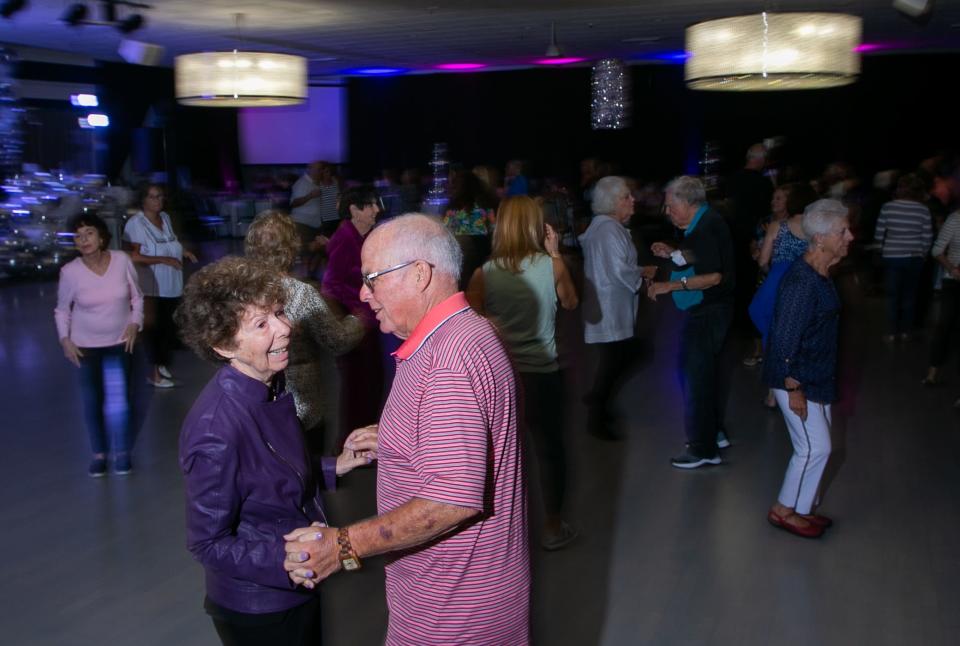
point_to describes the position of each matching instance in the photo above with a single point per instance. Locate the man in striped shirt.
(905, 230)
(450, 490)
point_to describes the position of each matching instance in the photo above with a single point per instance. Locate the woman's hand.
(661, 249)
(360, 449)
(319, 243)
(172, 262)
(71, 351)
(129, 337)
(798, 403)
(551, 241)
(189, 256)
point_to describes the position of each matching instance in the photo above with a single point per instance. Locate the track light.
(10, 7)
(75, 14)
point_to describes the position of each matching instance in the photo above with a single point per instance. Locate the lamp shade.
(773, 51)
(240, 79)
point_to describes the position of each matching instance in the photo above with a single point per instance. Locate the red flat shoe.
(810, 531)
(817, 519)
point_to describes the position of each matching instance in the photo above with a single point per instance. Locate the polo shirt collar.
(430, 323)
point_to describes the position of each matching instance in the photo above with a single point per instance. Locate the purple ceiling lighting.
(375, 71)
(559, 60)
(871, 47)
(460, 67)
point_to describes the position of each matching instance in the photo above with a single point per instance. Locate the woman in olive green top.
(518, 289)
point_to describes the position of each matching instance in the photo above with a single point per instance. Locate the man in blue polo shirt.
(702, 285)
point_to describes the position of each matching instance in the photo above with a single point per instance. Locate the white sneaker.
(164, 372)
(162, 382)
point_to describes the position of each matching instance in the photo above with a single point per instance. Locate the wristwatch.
(683, 282)
(348, 556)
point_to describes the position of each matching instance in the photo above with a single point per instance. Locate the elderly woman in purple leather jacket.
(249, 479)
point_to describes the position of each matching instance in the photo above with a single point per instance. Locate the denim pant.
(94, 366)
(901, 281)
(701, 342)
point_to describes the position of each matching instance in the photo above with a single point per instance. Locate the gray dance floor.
(666, 557)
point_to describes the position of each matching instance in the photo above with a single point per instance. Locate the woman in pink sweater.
(99, 313)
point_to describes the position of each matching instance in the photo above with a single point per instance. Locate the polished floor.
(666, 557)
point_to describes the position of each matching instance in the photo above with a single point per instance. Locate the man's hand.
(649, 272)
(312, 554)
(656, 289)
(359, 449)
(189, 256)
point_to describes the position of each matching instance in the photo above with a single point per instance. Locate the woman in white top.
(612, 280)
(518, 288)
(946, 251)
(99, 312)
(158, 256)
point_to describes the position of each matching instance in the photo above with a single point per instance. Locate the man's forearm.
(412, 523)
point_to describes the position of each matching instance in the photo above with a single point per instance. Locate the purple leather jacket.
(249, 481)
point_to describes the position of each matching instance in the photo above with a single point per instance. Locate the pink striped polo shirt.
(448, 433)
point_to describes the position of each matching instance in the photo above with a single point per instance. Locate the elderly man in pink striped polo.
(451, 495)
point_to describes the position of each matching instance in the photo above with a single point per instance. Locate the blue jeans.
(902, 280)
(704, 394)
(95, 365)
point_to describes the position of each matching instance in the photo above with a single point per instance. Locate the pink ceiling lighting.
(461, 67)
(559, 60)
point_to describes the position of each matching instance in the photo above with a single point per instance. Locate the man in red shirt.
(451, 495)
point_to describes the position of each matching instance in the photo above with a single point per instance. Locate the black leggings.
(160, 332)
(298, 626)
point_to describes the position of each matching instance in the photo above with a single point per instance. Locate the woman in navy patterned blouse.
(801, 365)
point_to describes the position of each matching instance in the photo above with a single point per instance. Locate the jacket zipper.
(303, 483)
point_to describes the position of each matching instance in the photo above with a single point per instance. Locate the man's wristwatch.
(348, 556)
(683, 282)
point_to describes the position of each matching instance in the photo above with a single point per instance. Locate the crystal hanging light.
(610, 95)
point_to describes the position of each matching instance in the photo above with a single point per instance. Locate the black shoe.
(122, 465)
(97, 468)
(689, 461)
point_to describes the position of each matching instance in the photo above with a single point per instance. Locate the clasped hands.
(312, 553)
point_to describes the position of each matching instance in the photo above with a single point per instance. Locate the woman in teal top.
(518, 289)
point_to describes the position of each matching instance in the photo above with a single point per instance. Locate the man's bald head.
(418, 236)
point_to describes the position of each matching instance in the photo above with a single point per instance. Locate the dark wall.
(199, 143)
(196, 143)
(898, 112)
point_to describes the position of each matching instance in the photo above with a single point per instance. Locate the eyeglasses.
(369, 278)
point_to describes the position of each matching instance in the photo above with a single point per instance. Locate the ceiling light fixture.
(238, 79)
(774, 51)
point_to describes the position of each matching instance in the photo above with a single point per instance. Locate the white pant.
(811, 449)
